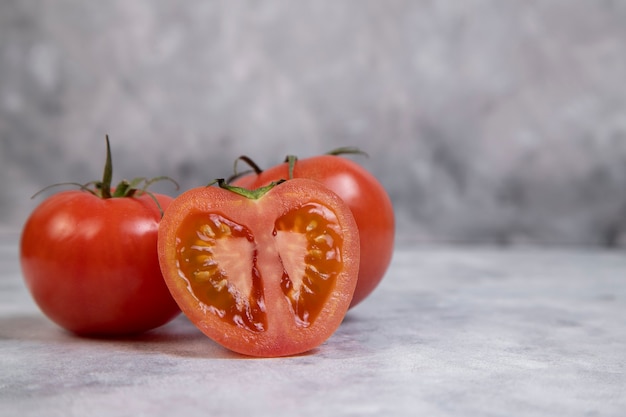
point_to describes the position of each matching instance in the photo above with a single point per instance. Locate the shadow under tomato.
(182, 338)
(27, 327)
(179, 338)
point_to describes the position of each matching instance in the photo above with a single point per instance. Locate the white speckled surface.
(451, 331)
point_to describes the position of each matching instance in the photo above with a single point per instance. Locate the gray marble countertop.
(451, 331)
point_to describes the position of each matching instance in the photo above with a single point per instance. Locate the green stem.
(251, 194)
(250, 162)
(291, 160)
(84, 187)
(107, 176)
(347, 150)
(236, 174)
(125, 188)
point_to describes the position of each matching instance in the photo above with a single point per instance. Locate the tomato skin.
(366, 197)
(281, 334)
(91, 264)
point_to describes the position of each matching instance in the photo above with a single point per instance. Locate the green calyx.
(125, 188)
(290, 159)
(251, 194)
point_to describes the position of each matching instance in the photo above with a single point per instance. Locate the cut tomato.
(264, 273)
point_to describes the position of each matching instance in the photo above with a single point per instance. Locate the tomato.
(366, 197)
(265, 273)
(89, 259)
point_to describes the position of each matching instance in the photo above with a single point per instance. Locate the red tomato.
(267, 275)
(365, 196)
(90, 260)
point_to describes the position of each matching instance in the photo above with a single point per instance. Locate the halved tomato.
(269, 272)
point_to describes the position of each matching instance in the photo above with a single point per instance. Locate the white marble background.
(487, 121)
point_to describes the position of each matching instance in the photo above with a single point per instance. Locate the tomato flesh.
(266, 277)
(309, 246)
(218, 261)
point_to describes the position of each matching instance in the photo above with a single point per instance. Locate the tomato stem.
(84, 187)
(250, 162)
(251, 194)
(107, 176)
(236, 174)
(291, 160)
(347, 150)
(125, 188)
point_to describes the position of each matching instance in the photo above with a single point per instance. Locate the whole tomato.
(89, 258)
(269, 272)
(363, 193)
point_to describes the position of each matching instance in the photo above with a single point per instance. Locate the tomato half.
(266, 275)
(91, 264)
(367, 199)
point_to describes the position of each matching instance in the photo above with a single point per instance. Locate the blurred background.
(488, 121)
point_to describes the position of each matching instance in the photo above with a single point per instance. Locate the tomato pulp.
(367, 199)
(271, 275)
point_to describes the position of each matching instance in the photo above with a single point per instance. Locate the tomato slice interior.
(309, 245)
(219, 263)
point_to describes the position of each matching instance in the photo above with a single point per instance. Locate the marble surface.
(451, 331)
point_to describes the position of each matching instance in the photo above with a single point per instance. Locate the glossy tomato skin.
(366, 197)
(91, 264)
(236, 266)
